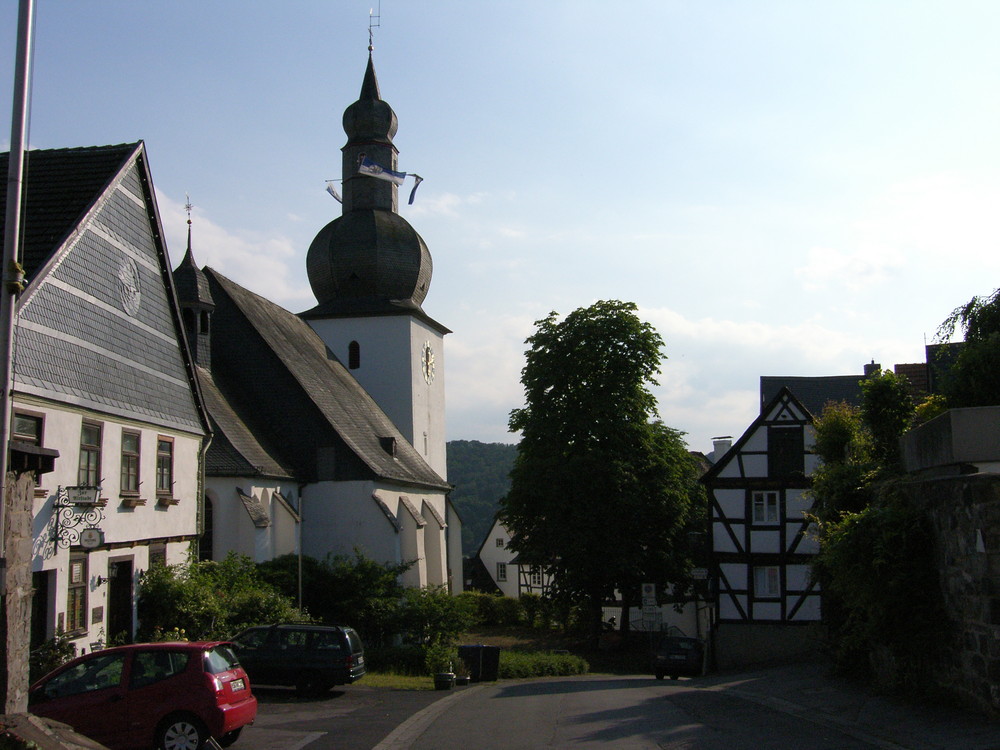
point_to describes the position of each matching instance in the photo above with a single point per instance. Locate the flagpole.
(12, 274)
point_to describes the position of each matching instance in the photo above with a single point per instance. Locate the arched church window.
(354, 355)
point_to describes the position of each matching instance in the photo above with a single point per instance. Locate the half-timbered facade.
(760, 532)
(511, 577)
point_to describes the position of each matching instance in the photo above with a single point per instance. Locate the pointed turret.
(370, 260)
(195, 299)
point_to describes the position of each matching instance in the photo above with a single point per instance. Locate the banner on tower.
(370, 168)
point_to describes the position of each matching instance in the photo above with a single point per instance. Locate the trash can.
(483, 662)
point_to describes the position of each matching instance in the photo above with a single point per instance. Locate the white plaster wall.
(732, 502)
(338, 517)
(175, 525)
(721, 541)
(391, 348)
(765, 541)
(454, 542)
(766, 611)
(810, 610)
(757, 441)
(235, 531)
(755, 465)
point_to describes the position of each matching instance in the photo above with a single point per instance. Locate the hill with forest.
(481, 475)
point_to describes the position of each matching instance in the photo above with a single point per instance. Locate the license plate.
(361, 660)
(238, 684)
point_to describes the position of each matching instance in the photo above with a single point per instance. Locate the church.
(328, 427)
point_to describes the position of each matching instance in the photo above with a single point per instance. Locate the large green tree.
(600, 491)
(974, 378)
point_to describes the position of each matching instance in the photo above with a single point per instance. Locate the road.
(586, 711)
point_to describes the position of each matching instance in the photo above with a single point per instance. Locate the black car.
(677, 655)
(312, 658)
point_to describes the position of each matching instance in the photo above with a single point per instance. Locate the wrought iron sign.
(77, 515)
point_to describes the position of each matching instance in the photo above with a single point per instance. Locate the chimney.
(720, 445)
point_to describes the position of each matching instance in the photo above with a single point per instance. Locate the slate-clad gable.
(102, 304)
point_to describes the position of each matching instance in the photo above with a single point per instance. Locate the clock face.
(427, 362)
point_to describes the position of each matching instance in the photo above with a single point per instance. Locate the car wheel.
(181, 732)
(674, 676)
(659, 675)
(230, 737)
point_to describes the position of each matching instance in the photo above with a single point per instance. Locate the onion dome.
(370, 260)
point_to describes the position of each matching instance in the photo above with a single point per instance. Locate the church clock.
(427, 362)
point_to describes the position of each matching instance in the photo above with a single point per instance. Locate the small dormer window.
(388, 445)
(203, 322)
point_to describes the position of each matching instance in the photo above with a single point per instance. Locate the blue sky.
(783, 188)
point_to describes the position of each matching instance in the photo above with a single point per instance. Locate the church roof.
(288, 386)
(235, 450)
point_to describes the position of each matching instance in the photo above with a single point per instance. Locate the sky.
(782, 188)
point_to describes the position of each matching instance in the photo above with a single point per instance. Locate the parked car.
(678, 655)
(313, 658)
(172, 696)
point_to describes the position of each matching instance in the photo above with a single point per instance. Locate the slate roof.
(813, 393)
(235, 450)
(304, 365)
(61, 186)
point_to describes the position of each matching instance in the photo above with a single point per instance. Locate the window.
(499, 541)
(130, 463)
(157, 555)
(536, 575)
(501, 571)
(89, 474)
(766, 581)
(100, 672)
(765, 507)
(27, 429)
(164, 466)
(353, 355)
(786, 451)
(76, 593)
(150, 667)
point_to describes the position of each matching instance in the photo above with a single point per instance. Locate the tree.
(887, 411)
(974, 378)
(600, 492)
(356, 591)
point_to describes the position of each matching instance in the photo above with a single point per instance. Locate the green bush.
(522, 664)
(209, 599)
(51, 654)
(490, 610)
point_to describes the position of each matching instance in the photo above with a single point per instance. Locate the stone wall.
(965, 513)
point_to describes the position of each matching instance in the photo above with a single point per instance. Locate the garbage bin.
(483, 662)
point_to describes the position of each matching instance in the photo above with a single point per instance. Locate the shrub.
(521, 664)
(407, 659)
(51, 654)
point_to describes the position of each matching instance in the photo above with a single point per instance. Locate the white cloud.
(262, 264)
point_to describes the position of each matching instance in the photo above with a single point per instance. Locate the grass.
(389, 681)
(633, 660)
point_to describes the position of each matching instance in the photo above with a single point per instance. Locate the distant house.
(104, 388)
(760, 541)
(511, 577)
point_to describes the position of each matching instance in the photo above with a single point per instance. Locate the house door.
(120, 600)
(39, 608)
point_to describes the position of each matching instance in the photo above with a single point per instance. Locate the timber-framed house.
(760, 531)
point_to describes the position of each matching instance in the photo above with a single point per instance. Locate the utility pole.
(15, 665)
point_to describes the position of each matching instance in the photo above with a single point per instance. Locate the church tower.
(370, 272)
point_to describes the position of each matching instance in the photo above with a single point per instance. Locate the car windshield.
(220, 659)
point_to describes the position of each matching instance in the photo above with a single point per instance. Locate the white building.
(102, 377)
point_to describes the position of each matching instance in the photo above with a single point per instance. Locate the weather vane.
(188, 205)
(374, 22)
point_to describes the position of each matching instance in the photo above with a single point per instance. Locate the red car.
(172, 696)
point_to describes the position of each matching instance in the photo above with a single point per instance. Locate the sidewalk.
(808, 691)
